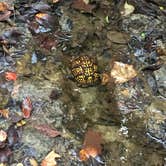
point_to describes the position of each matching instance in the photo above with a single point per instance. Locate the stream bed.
(40, 39)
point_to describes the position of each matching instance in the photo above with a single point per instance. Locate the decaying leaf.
(10, 76)
(47, 130)
(82, 6)
(49, 160)
(122, 72)
(91, 146)
(4, 113)
(26, 107)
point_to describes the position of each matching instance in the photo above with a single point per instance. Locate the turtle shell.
(85, 71)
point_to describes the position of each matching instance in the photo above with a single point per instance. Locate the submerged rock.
(156, 122)
(4, 97)
(161, 80)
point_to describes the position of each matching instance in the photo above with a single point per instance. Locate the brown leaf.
(82, 6)
(3, 6)
(47, 130)
(46, 42)
(26, 107)
(122, 72)
(49, 160)
(91, 146)
(4, 113)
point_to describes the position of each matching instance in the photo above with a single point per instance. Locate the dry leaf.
(122, 72)
(26, 107)
(49, 160)
(4, 113)
(91, 146)
(47, 130)
(82, 6)
(10, 76)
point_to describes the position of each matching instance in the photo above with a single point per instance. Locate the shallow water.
(130, 116)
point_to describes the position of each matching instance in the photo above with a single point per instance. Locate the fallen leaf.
(3, 135)
(15, 90)
(122, 72)
(40, 17)
(10, 76)
(14, 135)
(21, 123)
(49, 160)
(47, 130)
(26, 107)
(4, 113)
(55, 1)
(118, 37)
(3, 6)
(29, 161)
(128, 9)
(46, 41)
(91, 146)
(5, 15)
(82, 6)
(105, 78)
(2, 164)
(5, 155)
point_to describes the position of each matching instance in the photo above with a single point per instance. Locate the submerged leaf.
(4, 113)
(26, 107)
(14, 135)
(11, 76)
(122, 72)
(91, 146)
(47, 130)
(82, 6)
(3, 6)
(5, 15)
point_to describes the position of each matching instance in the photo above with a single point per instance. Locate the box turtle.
(85, 71)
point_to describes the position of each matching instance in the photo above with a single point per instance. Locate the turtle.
(84, 70)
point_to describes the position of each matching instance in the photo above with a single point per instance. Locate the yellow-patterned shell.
(85, 71)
